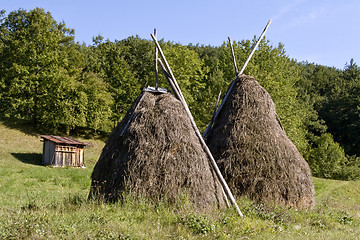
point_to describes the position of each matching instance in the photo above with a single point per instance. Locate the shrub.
(326, 157)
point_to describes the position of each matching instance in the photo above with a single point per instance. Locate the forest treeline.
(62, 85)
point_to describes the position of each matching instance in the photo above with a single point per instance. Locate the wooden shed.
(62, 151)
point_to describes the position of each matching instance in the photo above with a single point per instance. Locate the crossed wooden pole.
(177, 91)
(237, 76)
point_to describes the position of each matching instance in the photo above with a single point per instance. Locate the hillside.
(38, 202)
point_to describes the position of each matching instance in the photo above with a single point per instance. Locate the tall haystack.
(154, 152)
(254, 153)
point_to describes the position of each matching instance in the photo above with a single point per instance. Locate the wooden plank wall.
(62, 155)
(48, 152)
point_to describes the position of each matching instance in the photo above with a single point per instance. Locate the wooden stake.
(136, 104)
(216, 105)
(233, 57)
(233, 82)
(156, 65)
(167, 66)
(167, 76)
(257, 44)
(217, 102)
(178, 96)
(212, 160)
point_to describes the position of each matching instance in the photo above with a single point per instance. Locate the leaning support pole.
(212, 160)
(233, 57)
(177, 95)
(217, 102)
(168, 69)
(255, 47)
(233, 82)
(216, 106)
(156, 66)
(167, 76)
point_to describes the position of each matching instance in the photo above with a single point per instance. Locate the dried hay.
(254, 153)
(159, 156)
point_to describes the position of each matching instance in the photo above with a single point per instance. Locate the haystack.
(254, 153)
(154, 152)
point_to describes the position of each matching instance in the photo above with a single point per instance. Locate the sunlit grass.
(39, 202)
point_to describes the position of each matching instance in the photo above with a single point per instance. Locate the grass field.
(39, 202)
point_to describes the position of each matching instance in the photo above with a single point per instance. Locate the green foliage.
(139, 54)
(341, 110)
(98, 101)
(40, 77)
(34, 50)
(326, 157)
(199, 224)
(108, 60)
(350, 169)
(190, 73)
(334, 97)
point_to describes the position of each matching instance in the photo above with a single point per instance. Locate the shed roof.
(62, 140)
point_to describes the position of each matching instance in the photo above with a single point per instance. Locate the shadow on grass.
(27, 127)
(29, 158)
(24, 126)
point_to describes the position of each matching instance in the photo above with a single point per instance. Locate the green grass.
(38, 202)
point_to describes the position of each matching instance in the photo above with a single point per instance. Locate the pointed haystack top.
(253, 151)
(157, 156)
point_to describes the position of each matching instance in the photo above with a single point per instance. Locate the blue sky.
(321, 31)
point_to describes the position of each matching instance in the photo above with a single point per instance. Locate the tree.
(44, 75)
(107, 59)
(341, 111)
(334, 95)
(34, 48)
(98, 101)
(139, 54)
(190, 72)
(328, 91)
(326, 157)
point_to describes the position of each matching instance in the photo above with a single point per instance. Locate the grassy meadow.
(41, 202)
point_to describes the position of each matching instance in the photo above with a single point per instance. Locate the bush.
(350, 169)
(326, 157)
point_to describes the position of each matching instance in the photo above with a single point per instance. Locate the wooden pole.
(217, 102)
(136, 104)
(216, 106)
(233, 57)
(233, 82)
(167, 76)
(257, 44)
(178, 96)
(167, 66)
(156, 66)
(212, 160)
